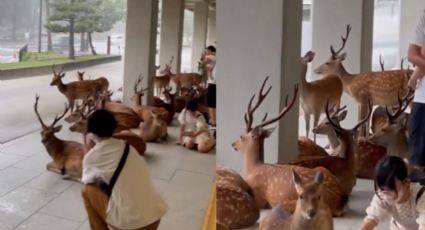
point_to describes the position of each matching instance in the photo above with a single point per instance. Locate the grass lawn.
(47, 59)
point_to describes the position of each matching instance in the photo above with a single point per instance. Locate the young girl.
(395, 197)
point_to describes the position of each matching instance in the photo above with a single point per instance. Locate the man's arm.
(414, 56)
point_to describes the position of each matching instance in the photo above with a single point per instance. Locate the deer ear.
(318, 178)
(268, 132)
(402, 120)
(342, 115)
(297, 181)
(343, 56)
(57, 128)
(62, 75)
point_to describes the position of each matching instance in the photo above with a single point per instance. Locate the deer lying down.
(154, 130)
(67, 155)
(311, 213)
(236, 207)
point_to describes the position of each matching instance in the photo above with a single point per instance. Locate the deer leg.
(53, 167)
(307, 123)
(365, 126)
(315, 122)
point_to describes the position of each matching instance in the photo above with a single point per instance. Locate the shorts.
(211, 95)
(417, 135)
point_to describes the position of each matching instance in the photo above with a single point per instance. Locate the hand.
(413, 82)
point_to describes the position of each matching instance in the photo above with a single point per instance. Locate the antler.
(36, 110)
(171, 61)
(381, 62)
(283, 111)
(338, 126)
(54, 71)
(61, 116)
(249, 117)
(403, 103)
(136, 85)
(344, 41)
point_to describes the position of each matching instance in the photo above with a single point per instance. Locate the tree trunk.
(15, 13)
(49, 35)
(71, 39)
(82, 42)
(91, 44)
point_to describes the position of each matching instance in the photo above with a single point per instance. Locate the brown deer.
(163, 81)
(67, 155)
(182, 79)
(315, 94)
(393, 134)
(145, 111)
(236, 207)
(75, 90)
(307, 148)
(154, 130)
(270, 182)
(311, 213)
(367, 154)
(341, 167)
(102, 82)
(381, 88)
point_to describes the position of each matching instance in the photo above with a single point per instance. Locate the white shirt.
(134, 202)
(419, 40)
(405, 216)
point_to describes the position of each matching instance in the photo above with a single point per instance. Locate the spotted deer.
(236, 207)
(311, 212)
(271, 183)
(314, 94)
(67, 155)
(381, 88)
(367, 154)
(154, 130)
(145, 111)
(392, 135)
(182, 79)
(102, 82)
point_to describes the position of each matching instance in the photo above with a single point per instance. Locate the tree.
(17, 16)
(66, 14)
(49, 34)
(100, 16)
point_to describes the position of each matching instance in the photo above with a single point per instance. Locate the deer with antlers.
(67, 155)
(236, 207)
(315, 94)
(270, 182)
(163, 81)
(75, 90)
(145, 111)
(341, 167)
(311, 212)
(381, 88)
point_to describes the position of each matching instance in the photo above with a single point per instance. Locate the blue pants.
(417, 135)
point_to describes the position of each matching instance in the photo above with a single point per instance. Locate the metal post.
(40, 26)
(108, 48)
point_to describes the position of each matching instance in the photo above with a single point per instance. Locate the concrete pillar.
(329, 20)
(140, 40)
(171, 33)
(410, 11)
(255, 40)
(199, 32)
(211, 38)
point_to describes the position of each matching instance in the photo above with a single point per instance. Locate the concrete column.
(256, 39)
(171, 33)
(199, 32)
(329, 20)
(211, 38)
(140, 40)
(410, 11)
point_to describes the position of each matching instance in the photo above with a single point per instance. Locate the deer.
(311, 212)
(392, 135)
(182, 79)
(163, 81)
(381, 88)
(236, 207)
(67, 155)
(314, 94)
(342, 167)
(74, 90)
(154, 130)
(145, 111)
(269, 182)
(102, 82)
(367, 154)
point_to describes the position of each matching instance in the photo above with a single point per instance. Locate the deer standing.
(163, 81)
(311, 213)
(315, 94)
(67, 155)
(367, 154)
(270, 182)
(236, 207)
(182, 79)
(381, 88)
(102, 82)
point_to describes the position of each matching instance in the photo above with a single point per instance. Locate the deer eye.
(301, 196)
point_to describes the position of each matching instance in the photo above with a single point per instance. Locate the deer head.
(324, 127)
(167, 69)
(309, 195)
(57, 77)
(80, 75)
(75, 115)
(334, 63)
(254, 137)
(81, 125)
(138, 94)
(48, 131)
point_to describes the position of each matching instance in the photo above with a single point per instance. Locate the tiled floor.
(33, 198)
